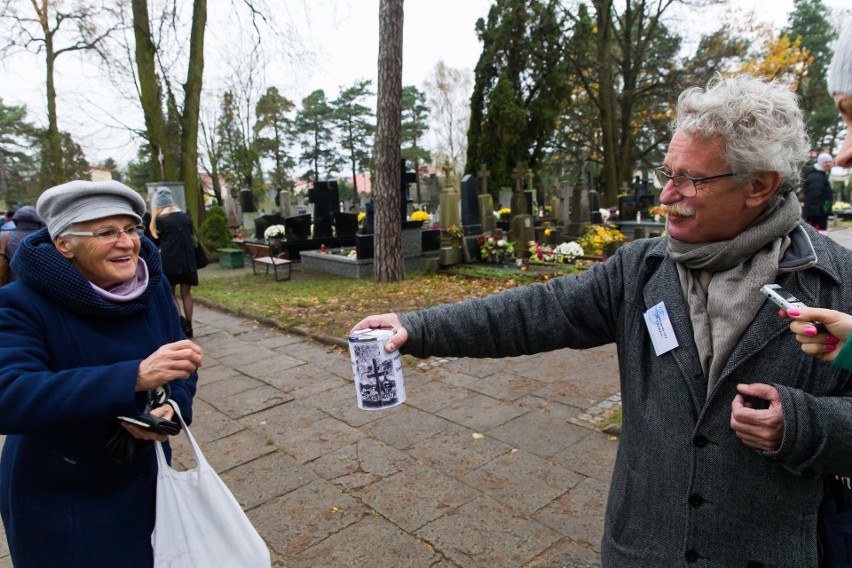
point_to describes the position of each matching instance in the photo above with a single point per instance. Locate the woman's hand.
(176, 360)
(165, 411)
(822, 340)
(385, 321)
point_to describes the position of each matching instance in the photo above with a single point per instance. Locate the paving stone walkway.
(488, 463)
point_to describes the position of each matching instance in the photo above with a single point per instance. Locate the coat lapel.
(658, 289)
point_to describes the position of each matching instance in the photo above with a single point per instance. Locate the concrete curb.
(295, 330)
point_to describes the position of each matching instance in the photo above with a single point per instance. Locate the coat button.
(699, 441)
(696, 500)
(691, 555)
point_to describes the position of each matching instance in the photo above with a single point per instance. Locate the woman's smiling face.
(105, 264)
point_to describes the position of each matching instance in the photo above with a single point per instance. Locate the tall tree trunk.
(603, 9)
(191, 111)
(388, 261)
(150, 93)
(54, 141)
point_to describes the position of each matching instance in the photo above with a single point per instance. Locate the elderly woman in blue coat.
(87, 332)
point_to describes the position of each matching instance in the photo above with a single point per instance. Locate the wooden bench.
(262, 254)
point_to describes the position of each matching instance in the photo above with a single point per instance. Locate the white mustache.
(678, 209)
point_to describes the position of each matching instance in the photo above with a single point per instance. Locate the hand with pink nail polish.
(822, 340)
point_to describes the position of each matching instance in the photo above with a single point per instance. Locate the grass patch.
(613, 418)
(332, 305)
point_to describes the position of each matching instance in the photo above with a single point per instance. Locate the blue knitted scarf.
(40, 266)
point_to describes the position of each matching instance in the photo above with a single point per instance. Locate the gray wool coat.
(685, 490)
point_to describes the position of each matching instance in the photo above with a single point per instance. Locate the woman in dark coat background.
(87, 331)
(817, 193)
(171, 229)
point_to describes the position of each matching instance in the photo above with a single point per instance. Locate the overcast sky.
(344, 35)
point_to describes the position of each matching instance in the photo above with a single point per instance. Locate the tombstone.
(519, 199)
(564, 202)
(627, 207)
(345, 224)
(486, 202)
(434, 192)
(595, 207)
(505, 197)
(371, 218)
(470, 220)
(406, 177)
(532, 202)
(580, 216)
(522, 232)
(556, 210)
(449, 211)
(298, 227)
(264, 221)
(326, 202)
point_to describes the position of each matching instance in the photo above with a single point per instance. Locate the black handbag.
(202, 255)
(835, 523)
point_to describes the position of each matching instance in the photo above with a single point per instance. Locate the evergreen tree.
(520, 77)
(412, 129)
(354, 121)
(809, 22)
(240, 159)
(314, 125)
(274, 131)
(17, 166)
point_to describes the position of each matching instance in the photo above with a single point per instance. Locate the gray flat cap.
(78, 201)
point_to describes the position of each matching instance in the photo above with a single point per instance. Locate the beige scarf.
(721, 280)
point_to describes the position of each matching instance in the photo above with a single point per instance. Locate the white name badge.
(660, 329)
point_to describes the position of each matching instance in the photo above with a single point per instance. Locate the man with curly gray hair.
(728, 428)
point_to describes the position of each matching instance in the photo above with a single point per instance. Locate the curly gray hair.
(760, 122)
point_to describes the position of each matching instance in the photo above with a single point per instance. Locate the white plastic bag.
(199, 523)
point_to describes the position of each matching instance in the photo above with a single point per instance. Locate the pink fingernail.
(832, 339)
(793, 312)
(810, 331)
(830, 347)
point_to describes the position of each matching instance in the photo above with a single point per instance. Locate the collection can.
(378, 374)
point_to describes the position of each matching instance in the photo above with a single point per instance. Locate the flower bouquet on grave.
(273, 232)
(504, 214)
(496, 250)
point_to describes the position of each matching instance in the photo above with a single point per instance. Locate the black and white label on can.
(378, 374)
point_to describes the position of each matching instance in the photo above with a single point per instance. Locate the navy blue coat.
(68, 365)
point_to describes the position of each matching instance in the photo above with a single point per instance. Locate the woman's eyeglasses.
(110, 235)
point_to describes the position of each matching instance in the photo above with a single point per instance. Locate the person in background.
(817, 192)
(727, 428)
(171, 229)
(8, 222)
(27, 222)
(87, 333)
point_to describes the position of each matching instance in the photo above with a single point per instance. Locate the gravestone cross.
(518, 175)
(486, 202)
(519, 199)
(483, 174)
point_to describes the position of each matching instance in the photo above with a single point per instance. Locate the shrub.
(214, 231)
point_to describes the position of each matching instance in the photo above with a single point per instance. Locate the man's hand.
(385, 321)
(762, 429)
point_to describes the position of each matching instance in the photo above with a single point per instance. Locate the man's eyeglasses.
(110, 235)
(685, 185)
